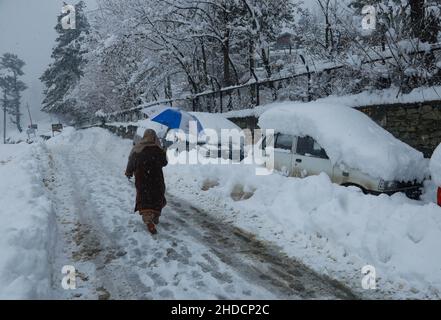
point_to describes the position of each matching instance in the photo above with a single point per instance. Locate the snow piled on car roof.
(215, 122)
(349, 137)
(435, 166)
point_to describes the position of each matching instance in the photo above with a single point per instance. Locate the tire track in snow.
(259, 262)
(81, 241)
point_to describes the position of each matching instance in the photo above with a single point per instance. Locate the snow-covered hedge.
(350, 138)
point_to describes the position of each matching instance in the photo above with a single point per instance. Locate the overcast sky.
(27, 29)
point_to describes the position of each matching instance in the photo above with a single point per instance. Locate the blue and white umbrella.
(174, 118)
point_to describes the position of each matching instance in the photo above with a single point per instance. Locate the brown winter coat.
(146, 162)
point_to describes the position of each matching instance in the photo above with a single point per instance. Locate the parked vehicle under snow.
(230, 147)
(344, 143)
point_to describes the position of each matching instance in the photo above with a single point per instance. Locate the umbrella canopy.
(174, 118)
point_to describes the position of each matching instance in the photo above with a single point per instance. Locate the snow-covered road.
(195, 255)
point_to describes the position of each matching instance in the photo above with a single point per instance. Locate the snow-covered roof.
(214, 121)
(435, 166)
(349, 137)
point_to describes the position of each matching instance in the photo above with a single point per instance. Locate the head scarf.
(150, 139)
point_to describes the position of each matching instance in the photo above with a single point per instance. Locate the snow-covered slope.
(349, 137)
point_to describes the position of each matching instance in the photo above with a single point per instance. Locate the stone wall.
(417, 124)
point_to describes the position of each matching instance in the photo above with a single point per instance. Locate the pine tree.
(66, 70)
(12, 86)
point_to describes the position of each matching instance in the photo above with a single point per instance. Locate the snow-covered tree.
(67, 68)
(154, 49)
(12, 86)
(405, 29)
(150, 50)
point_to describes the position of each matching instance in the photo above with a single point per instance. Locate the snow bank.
(333, 229)
(349, 137)
(435, 166)
(24, 225)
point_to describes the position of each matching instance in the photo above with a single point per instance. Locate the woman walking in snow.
(145, 163)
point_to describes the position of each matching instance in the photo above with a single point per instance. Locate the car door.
(283, 153)
(310, 159)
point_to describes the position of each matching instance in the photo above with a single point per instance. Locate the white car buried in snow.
(232, 148)
(230, 142)
(314, 138)
(435, 171)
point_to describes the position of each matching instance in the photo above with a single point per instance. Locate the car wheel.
(347, 185)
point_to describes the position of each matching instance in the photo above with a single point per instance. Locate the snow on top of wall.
(435, 166)
(349, 137)
(364, 99)
(256, 112)
(388, 96)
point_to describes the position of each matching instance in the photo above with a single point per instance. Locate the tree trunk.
(16, 105)
(417, 18)
(4, 118)
(252, 61)
(226, 56)
(269, 73)
(168, 89)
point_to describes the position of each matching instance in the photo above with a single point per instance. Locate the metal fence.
(302, 86)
